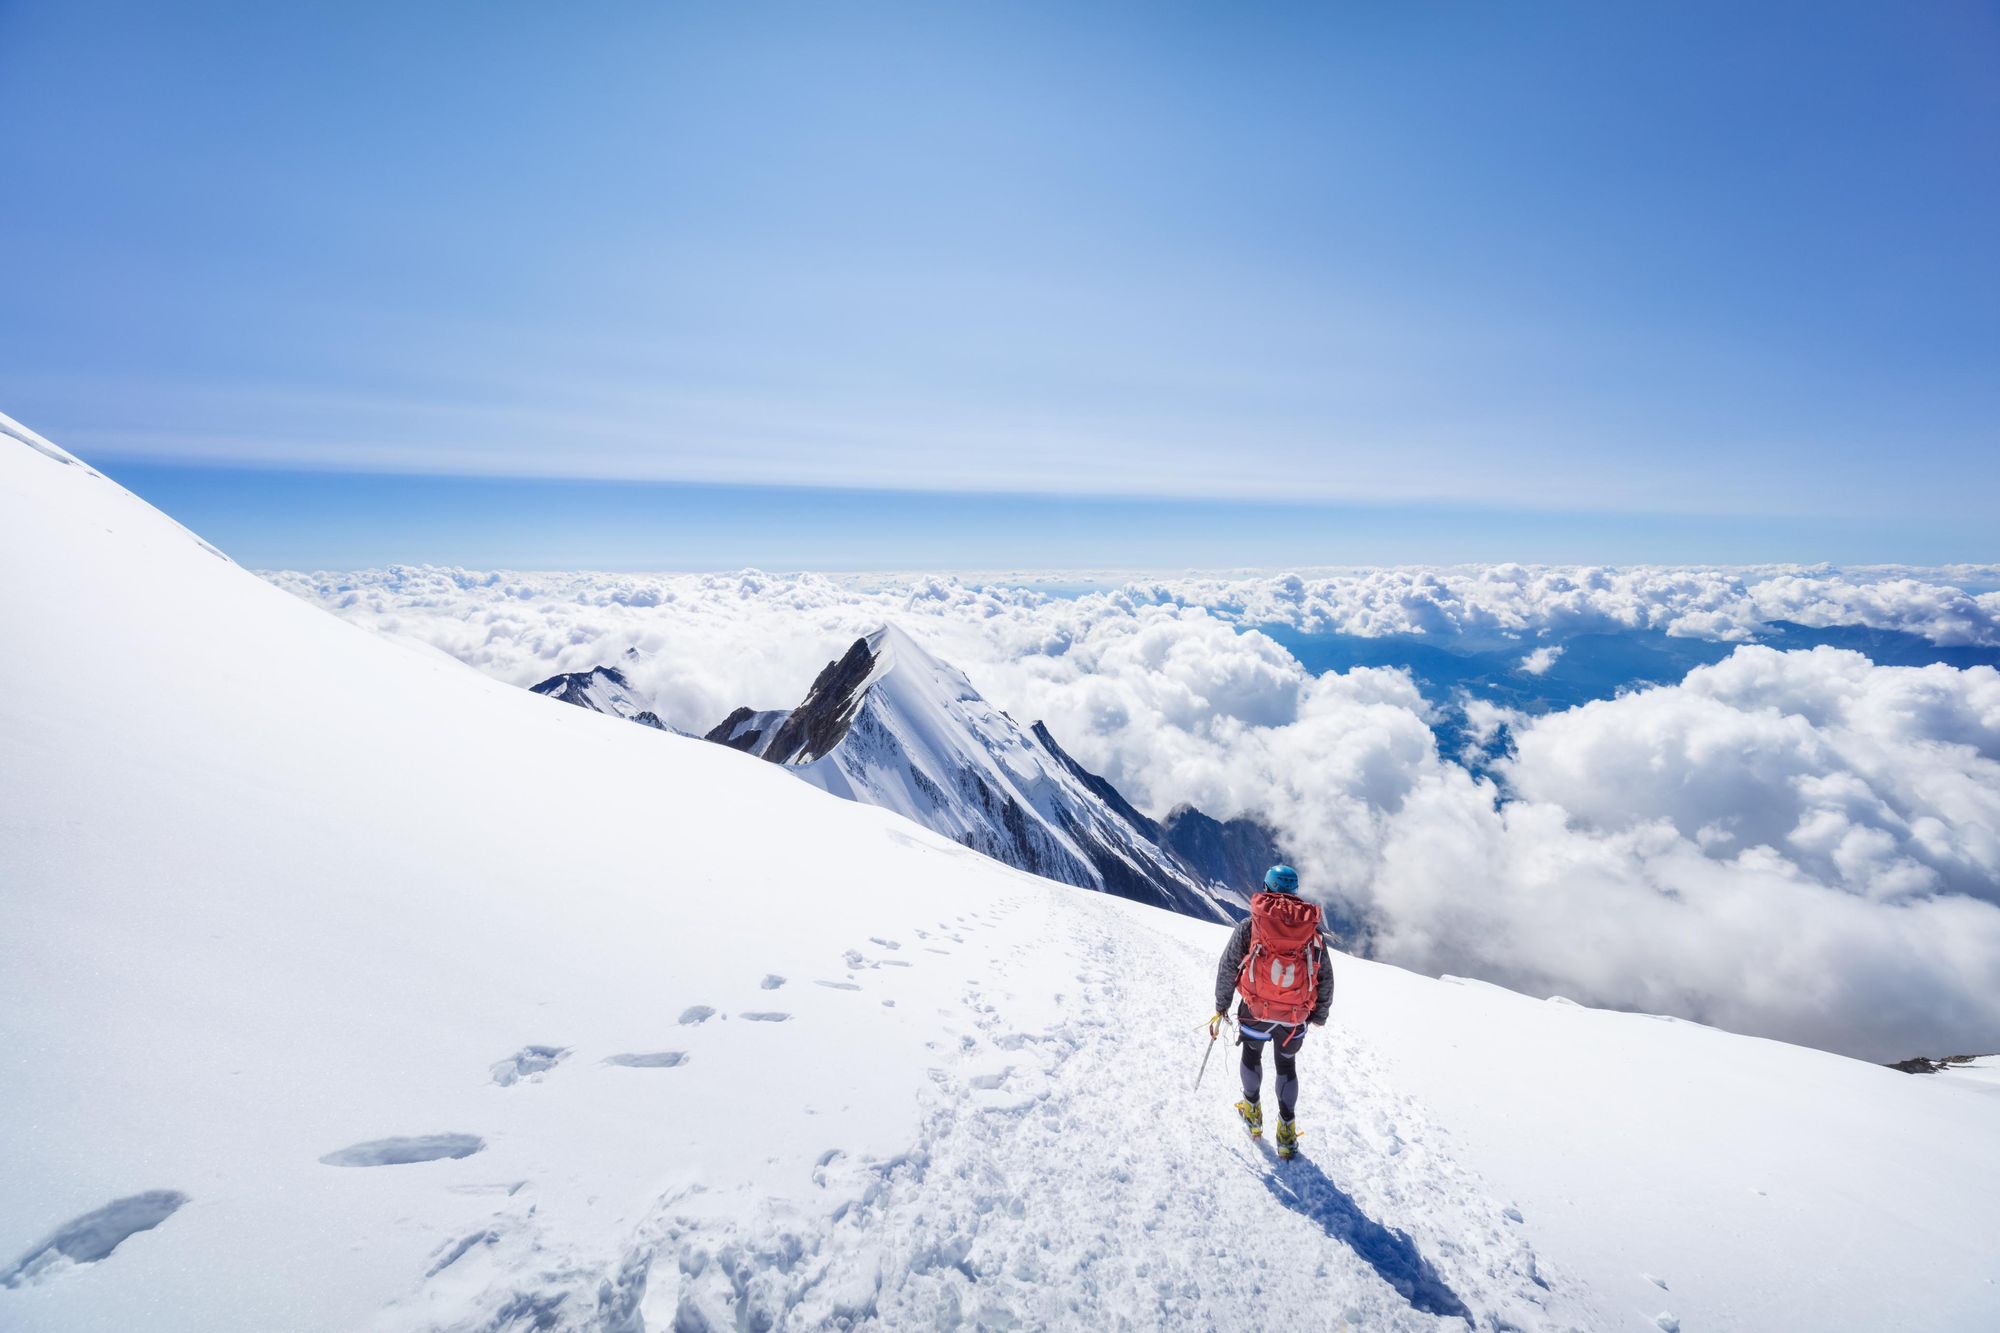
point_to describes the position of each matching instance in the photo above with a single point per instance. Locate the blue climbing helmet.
(1281, 879)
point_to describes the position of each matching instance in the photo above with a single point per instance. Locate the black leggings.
(1286, 1042)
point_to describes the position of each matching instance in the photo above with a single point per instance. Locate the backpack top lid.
(1283, 922)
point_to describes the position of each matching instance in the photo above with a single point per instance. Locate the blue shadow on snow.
(1305, 1189)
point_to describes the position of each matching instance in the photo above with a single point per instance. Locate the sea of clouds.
(1800, 845)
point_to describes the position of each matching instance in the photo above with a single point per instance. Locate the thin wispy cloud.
(1202, 269)
(791, 434)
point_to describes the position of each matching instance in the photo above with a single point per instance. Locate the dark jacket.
(1232, 964)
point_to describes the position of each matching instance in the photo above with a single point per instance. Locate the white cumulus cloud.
(1491, 601)
(1802, 845)
(1539, 661)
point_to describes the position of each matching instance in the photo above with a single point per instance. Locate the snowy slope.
(1981, 1074)
(283, 899)
(890, 725)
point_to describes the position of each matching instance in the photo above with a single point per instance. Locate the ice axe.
(1214, 1026)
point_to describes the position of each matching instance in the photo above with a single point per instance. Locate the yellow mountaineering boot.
(1288, 1138)
(1253, 1117)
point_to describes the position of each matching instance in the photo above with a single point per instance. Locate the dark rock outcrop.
(1920, 1064)
(747, 730)
(818, 724)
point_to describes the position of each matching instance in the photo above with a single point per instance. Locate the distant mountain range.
(890, 725)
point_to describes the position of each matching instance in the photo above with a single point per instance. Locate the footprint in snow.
(404, 1151)
(837, 985)
(853, 959)
(767, 1016)
(988, 1082)
(771, 982)
(648, 1059)
(887, 944)
(451, 1252)
(93, 1236)
(527, 1065)
(696, 1013)
(509, 1188)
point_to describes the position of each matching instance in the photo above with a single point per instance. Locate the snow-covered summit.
(891, 725)
(601, 690)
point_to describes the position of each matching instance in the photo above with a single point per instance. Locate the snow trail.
(1063, 1174)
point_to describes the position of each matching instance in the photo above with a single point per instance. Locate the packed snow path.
(1064, 1173)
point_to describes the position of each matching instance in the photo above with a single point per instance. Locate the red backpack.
(1280, 976)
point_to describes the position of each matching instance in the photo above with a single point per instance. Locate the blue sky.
(512, 283)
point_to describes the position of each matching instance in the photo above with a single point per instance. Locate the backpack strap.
(1249, 957)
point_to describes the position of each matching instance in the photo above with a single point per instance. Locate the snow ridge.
(601, 690)
(15, 430)
(890, 725)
